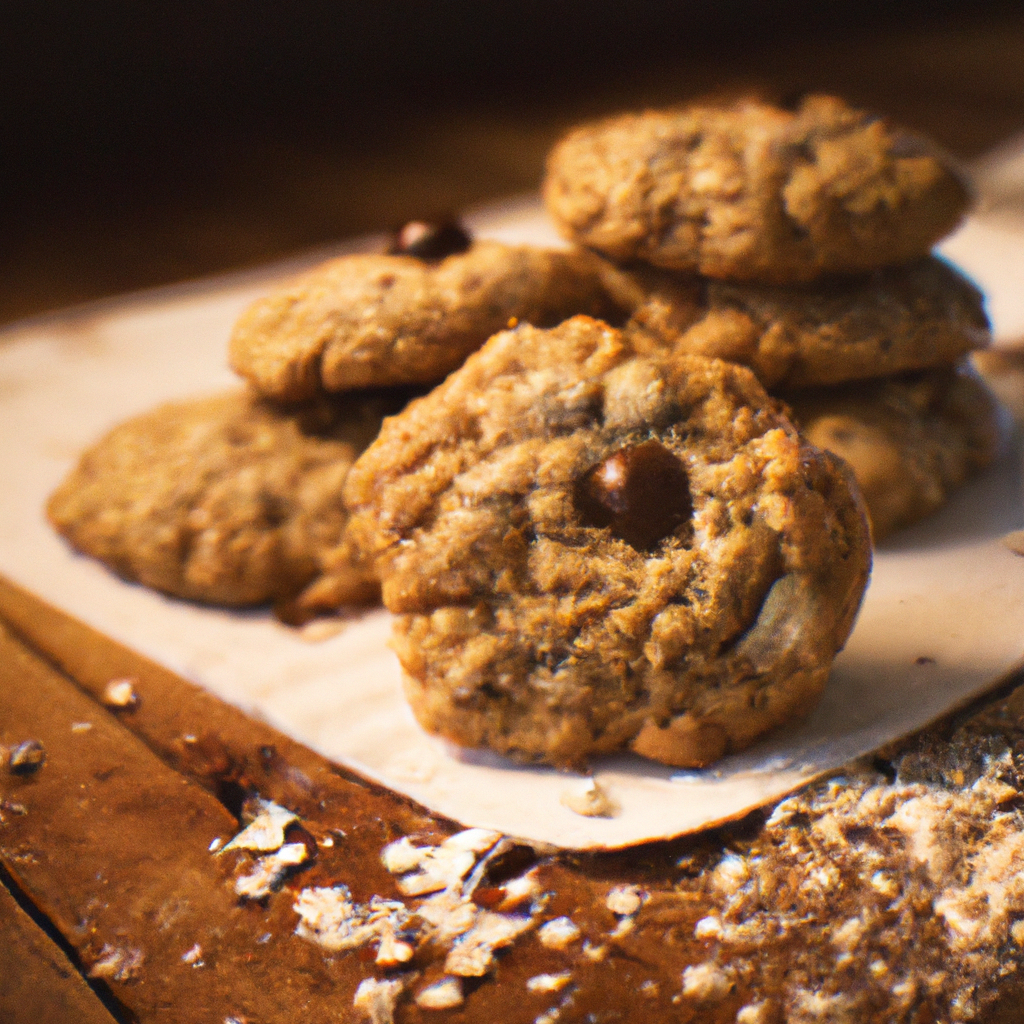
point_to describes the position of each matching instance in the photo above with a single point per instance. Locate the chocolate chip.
(640, 493)
(429, 240)
(27, 757)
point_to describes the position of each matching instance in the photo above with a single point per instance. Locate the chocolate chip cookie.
(375, 320)
(228, 499)
(754, 192)
(588, 548)
(910, 440)
(901, 318)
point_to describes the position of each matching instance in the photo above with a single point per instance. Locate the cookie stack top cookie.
(752, 192)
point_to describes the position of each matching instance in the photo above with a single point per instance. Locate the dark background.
(145, 143)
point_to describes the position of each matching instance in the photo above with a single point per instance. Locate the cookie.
(753, 192)
(1003, 370)
(901, 318)
(910, 440)
(374, 320)
(228, 499)
(589, 549)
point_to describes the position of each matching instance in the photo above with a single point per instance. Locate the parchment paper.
(942, 621)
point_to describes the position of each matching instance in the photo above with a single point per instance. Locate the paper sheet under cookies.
(942, 621)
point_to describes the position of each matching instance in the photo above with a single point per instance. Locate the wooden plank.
(38, 983)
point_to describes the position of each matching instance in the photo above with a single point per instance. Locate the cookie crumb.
(624, 900)
(120, 693)
(558, 934)
(376, 1000)
(27, 757)
(591, 800)
(442, 995)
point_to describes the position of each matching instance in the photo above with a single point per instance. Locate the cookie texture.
(910, 440)
(919, 315)
(754, 192)
(588, 549)
(226, 499)
(374, 320)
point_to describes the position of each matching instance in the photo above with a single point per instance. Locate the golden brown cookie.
(374, 320)
(589, 549)
(752, 192)
(910, 440)
(918, 315)
(228, 499)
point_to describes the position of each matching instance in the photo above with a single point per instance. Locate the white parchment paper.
(942, 621)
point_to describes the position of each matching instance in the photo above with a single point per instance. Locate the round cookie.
(376, 320)
(918, 315)
(753, 192)
(589, 549)
(910, 440)
(227, 499)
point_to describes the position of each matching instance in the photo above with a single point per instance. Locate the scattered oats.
(81, 726)
(266, 831)
(706, 983)
(473, 954)
(754, 1013)
(116, 964)
(558, 934)
(649, 989)
(448, 914)
(193, 956)
(328, 917)
(440, 867)
(376, 1000)
(327, 842)
(442, 995)
(884, 884)
(594, 953)
(401, 856)
(730, 874)
(120, 693)
(624, 900)
(27, 757)
(590, 799)
(519, 890)
(549, 982)
(475, 840)
(392, 951)
(708, 928)
(268, 871)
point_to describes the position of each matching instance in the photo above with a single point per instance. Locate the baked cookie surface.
(375, 320)
(589, 549)
(901, 318)
(910, 440)
(754, 192)
(228, 499)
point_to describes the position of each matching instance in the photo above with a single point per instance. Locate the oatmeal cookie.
(901, 318)
(373, 320)
(752, 192)
(910, 440)
(588, 549)
(227, 499)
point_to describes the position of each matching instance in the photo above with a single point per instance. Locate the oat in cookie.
(589, 549)
(901, 318)
(910, 440)
(229, 499)
(753, 192)
(375, 320)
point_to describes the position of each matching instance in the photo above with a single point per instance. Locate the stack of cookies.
(797, 243)
(600, 531)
